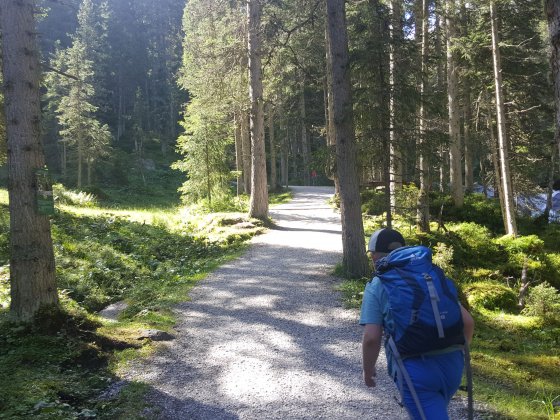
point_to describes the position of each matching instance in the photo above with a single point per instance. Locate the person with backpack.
(427, 330)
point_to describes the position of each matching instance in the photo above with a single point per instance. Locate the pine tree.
(353, 244)
(32, 266)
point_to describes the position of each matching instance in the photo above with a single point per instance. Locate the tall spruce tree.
(32, 266)
(353, 244)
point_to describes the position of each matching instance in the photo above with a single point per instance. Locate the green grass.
(148, 253)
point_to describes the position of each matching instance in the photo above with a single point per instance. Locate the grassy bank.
(515, 354)
(148, 254)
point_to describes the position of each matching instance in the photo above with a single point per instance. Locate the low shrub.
(373, 202)
(491, 295)
(543, 300)
(522, 251)
(474, 246)
(72, 197)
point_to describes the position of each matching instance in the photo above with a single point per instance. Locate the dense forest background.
(128, 84)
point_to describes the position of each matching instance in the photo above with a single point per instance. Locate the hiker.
(424, 352)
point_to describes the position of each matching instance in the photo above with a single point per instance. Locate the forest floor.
(266, 335)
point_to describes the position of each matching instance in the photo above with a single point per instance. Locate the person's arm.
(371, 345)
(468, 323)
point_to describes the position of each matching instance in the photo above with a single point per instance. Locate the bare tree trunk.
(507, 203)
(496, 164)
(455, 170)
(32, 267)
(395, 34)
(550, 187)
(238, 152)
(272, 142)
(304, 142)
(80, 162)
(353, 238)
(284, 159)
(552, 8)
(258, 203)
(246, 150)
(329, 123)
(467, 140)
(423, 204)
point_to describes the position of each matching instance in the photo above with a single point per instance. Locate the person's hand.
(369, 378)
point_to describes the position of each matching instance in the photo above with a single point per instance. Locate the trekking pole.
(470, 402)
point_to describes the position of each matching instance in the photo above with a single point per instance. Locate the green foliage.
(544, 301)
(491, 295)
(476, 209)
(150, 259)
(406, 199)
(63, 195)
(475, 245)
(372, 202)
(443, 257)
(522, 251)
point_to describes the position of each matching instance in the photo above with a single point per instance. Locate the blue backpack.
(423, 302)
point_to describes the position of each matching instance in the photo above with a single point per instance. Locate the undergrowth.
(144, 252)
(515, 354)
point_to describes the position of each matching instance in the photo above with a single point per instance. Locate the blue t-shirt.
(375, 305)
(375, 310)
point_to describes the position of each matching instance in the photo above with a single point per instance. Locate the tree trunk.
(496, 164)
(353, 238)
(552, 8)
(455, 170)
(550, 187)
(272, 142)
(246, 151)
(423, 203)
(284, 159)
(329, 123)
(304, 140)
(467, 140)
(507, 203)
(238, 152)
(395, 34)
(32, 267)
(258, 204)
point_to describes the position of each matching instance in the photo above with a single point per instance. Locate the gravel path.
(266, 337)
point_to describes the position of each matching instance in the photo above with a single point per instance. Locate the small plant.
(550, 402)
(543, 301)
(443, 256)
(75, 198)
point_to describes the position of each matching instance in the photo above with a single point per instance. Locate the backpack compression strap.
(404, 374)
(419, 296)
(434, 298)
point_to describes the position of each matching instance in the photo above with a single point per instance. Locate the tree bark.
(423, 204)
(246, 151)
(238, 152)
(467, 140)
(304, 140)
(395, 34)
(455, 170)
(552, 8)
(32, 266)
(329, 123)
(258, 203)
(272, 142)
(353, 238)
(507, 187)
